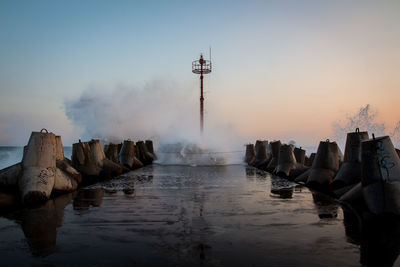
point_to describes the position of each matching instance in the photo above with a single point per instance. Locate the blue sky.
(267, 55)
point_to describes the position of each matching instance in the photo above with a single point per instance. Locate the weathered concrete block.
(325, 165)
(350, 171)
(38, 167)
(381, 175)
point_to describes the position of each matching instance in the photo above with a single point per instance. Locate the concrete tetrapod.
(275, 156)
(302, 178)
(67, 177)
(150, 148)
(310, 160)
(261, 154)
(97, 152)
(38, 167)
(83, 161)
(343, 190)
(250, 154)
(90, 160)
(300, 155)
(325, 165)
(380, 175)
(127, 155)
(59, 148)
(9, 177)
(143, 155)
(286, 161)
(353, 196)
(112, 152)
(350, 171)
(108, 167)
(136, 162)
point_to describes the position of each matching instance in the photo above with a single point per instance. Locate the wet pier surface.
(182, 216)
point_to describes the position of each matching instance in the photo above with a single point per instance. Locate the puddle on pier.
(184, 216)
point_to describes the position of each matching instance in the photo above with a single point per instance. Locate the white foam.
(196, 155)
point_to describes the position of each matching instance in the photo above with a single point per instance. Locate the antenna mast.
(201, 67)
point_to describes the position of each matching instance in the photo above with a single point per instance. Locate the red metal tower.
(201, 67)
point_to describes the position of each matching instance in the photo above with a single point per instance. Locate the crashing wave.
(189, 154)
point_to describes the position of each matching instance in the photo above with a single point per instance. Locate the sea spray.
(395, 135)
(365, 120)
(163, 112)
(150, 111)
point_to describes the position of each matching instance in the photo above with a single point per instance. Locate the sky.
(282, 70)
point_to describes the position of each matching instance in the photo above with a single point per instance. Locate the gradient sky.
(282, 69)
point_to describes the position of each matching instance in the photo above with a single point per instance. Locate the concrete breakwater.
(365, 182)
(44, 171)
(366, 177)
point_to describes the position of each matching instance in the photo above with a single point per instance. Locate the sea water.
(184, 216)
(10, 155)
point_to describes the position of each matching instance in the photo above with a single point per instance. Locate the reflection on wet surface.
(380, 243)
(326, 206)
(87, 198)
(378, 237)
(190, 216)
